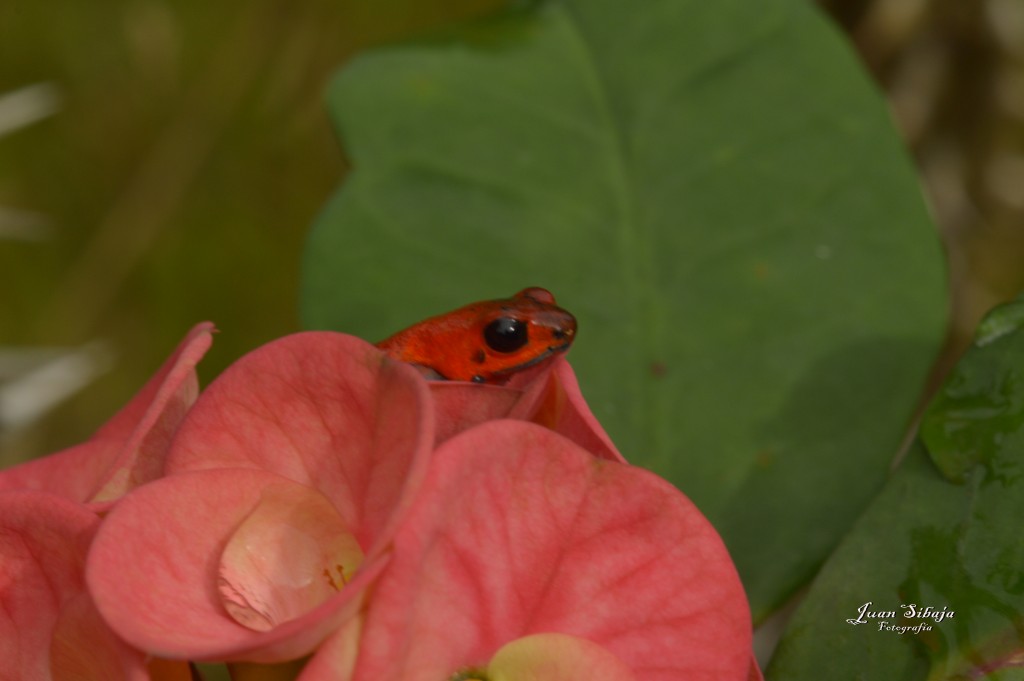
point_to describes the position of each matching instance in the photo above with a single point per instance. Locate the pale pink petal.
(517, 530)
(73, 473)
(459, 405)
(129, 449)
(548, 394)
(290, 554)
(196, 540)
(85, 649)
(577, 422)
(336, 656)
(324, 409)
(152, 417)
(554, 400)
(49, 628)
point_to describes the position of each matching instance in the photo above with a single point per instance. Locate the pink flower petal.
(324, 409)
(175, 380)
(184, 541)
(163, 403)
(73, 473)
(459, 406)
(49, 628)
(85, 649)
(517, 531)
(547, 394)
(130, 448)
(336, 656)
(556, 402)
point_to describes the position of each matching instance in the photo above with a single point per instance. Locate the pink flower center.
(290, 554)
(550, 657)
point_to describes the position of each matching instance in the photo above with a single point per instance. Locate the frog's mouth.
(550, 352)
(432, 374)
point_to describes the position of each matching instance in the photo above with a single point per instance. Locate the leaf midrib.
(633, 242)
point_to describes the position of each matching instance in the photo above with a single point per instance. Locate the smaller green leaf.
(954, 546)
(925, 542)
(980, 409)
(1001, 321)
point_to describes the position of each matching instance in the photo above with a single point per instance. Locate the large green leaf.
(712, 188)
(934, 543)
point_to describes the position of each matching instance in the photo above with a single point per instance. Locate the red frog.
(489, 341)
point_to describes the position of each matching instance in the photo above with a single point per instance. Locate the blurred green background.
(189, 150)
(186, 157)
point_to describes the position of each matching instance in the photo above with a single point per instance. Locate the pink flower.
(288, 478)
(49, 626)
(525, 553)
(292, 512)
(129, 449)
(286, 481)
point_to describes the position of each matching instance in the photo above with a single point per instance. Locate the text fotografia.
(887, 619)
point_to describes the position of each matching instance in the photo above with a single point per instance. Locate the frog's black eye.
(505, 334)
